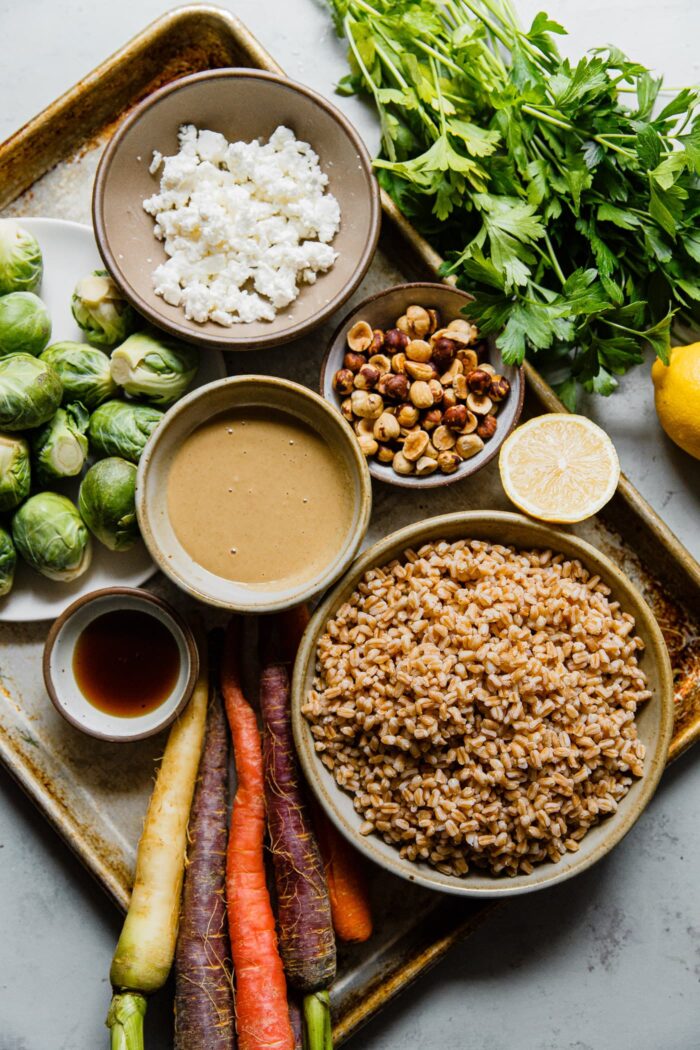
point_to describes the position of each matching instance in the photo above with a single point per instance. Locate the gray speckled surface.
(612, 959)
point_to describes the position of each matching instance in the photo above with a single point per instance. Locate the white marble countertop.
(611, 959)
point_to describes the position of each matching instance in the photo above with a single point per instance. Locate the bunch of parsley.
(565, 197)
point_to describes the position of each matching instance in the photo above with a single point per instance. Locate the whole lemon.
(677, 396)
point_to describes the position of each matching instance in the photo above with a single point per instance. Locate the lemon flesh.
(677, 396)
(559, 467)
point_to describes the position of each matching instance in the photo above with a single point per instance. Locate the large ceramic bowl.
(381, 311)
(152, 483)
(654, 719)
(242, 104)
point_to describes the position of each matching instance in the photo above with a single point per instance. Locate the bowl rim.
(275, 383)
(186, 329)
(544, 875)
(437, 480)
(147, 598)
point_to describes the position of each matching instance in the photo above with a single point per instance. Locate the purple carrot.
(204, 1013)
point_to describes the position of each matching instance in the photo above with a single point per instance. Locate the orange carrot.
(347, 888)
(262, 1015)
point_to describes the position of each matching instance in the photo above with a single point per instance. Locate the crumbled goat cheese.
(243, 225)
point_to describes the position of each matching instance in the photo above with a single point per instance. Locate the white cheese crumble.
(243, 225)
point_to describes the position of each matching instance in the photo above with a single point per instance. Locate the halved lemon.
(559, 467)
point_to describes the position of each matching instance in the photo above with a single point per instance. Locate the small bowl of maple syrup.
(120, 664)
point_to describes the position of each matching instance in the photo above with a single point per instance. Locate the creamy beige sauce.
(258, 497)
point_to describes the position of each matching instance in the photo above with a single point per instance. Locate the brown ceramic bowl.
(381, 311)
(61, 684)
(242, 104)
(654, 719)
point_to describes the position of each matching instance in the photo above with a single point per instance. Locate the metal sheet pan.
(94, 794)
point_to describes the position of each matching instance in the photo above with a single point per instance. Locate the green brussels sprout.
(51, 536)
(21, 264)
(25, 325)
(30, 392)
(119, 428)
(107, 505)
(60, 447)
(8, 561)
(84, 372)
(15, 473)
(101, 311)
(154, 366)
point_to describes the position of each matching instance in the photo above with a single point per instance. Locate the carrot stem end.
(317, 1022)
(125, 1020)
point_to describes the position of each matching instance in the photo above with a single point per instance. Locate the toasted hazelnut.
(479, 404)
(489, 369)
(364, 426)
(426, 465)
(460, 338)
(443, 438)
(402, 465)
(386, 428)
(444, 351)
(448, 461)
(431, 451)
(449, 398)
(432, 419)
(385, 454)
(469, 360)
(418, 350)
(395, 340)
(407, 415)
(487, 427)
(377, 343)
(354, 361)
(437, 390)
(343, 381)
(468, 445)
(471, 423)
(434, 320)
(459, 385)
(424, 371)
(419, 319)
(421, 395)
(396, 387)
(365, 405)
(381, 362)
(455, 417)
(455, 369)
(499, 389)
(460, 324)
(359, 337)
(367, 378)
(367, 444)
(415, 445)
(479, 381)
(346, 409)
(398, 363)
(404, 325)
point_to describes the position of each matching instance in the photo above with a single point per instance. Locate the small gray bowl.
(381, 311)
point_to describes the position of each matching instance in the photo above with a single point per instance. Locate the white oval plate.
(70, 253)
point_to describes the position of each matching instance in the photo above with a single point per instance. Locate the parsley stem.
(555, 262)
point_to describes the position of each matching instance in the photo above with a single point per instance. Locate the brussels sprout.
(154, 366)
(8, 561)
(30, 392)
(21, 265)
(51, 536)
(119, 428)
(60, 447)
(101, 312)
(84, 372)
(106, 503)
(15, 473)
(25, 325)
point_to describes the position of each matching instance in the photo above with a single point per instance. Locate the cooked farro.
(478, 703)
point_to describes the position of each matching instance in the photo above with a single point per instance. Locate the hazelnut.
(455, 417)
(364, 426)
(471, 423)
(354, 361)
(444, 351)
(386, 428)
(415, 445)
(343, 381)
(459, 385)
(437, 390)
(468, 445)
(404, 325)
(396, 387)
(398, 363)
(426, 465)
(402, 465)
(407, 415)
(366, 406)
(367, 378)
(359, 337)
(421, 370)
(395, 340)
(499, 389)
(381, 362)
(487, 427)
(455, 369)
(419, 319)
(489, 369)
(469, 360)
(367, 444)
(421, 395)
(431, 451)
(432, 419)
(479, 381)
(443, 438)
(460, 338)
(479, 404)
(346, 409)
(377, 341)
(449, 398)
(448, 461)
(385, 454)
(460, 324)
(434, 320)
(418, 350)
